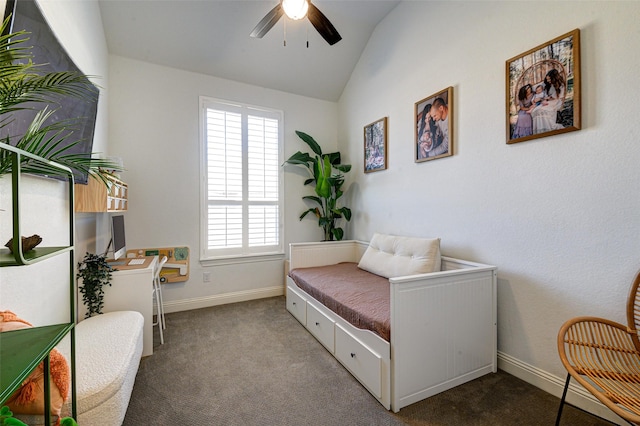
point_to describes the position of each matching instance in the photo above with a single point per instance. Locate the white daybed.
(442, 326)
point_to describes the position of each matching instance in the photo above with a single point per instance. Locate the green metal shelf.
(25, 162)
(36, 255)
(21, 351)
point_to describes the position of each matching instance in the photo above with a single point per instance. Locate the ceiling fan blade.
(323, 25)
(268, 21)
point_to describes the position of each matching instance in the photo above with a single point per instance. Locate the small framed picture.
(434, 126)
(543, 90)
(375, 146)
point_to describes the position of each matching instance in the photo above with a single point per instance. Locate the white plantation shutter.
(242, 180)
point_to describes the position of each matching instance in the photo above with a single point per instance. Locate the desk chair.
(604, 357)
(157, 293)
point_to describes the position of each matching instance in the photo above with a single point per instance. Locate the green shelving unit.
(37, 254)
(21, 351)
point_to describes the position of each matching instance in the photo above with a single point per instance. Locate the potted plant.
(95, 273)
(328, 186)
(25, 86)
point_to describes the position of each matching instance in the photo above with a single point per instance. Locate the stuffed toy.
(29, 398)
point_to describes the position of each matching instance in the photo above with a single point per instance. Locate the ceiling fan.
(298, 9)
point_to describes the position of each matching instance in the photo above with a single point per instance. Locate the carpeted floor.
(252, 363)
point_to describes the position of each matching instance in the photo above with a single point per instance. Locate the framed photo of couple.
(434, 126)
(543, 90)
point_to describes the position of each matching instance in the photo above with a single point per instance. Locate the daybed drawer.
(297, 305)
(365, 364)
(321, 326)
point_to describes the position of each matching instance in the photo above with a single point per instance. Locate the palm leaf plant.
(326, 175)
(24, 86)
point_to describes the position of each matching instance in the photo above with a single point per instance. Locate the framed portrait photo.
(375, 146)
(543, 90)
(434, 126)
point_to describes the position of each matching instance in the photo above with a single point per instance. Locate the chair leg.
(164, 323)
(564, 396)
(161, 308)
(159, 316)
(160, 321)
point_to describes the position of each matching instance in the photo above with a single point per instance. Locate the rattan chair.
(604, 357)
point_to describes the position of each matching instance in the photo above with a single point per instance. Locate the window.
(242, 183)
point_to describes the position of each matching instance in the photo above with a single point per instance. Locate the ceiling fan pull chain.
(284, 36)
(307, 27)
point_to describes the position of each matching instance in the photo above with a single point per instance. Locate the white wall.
(39, 292)
(154, 128)
(558, 215)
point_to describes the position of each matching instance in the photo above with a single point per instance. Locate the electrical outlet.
(206, 277)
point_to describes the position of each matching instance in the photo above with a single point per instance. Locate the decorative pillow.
(394, 256)
(29, 398)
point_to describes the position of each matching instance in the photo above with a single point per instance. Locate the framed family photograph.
(543, 90)
(375, 146)
(434, 126)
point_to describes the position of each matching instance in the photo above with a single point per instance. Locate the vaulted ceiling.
(212, 37)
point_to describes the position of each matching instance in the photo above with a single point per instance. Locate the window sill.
(237, 260)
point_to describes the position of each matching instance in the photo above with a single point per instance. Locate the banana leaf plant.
(328, 186)
(24, 86)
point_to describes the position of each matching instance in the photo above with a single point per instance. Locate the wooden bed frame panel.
(443, 324)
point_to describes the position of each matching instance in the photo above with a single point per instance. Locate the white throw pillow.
(394, 256)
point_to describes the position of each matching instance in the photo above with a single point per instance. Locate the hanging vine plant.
(95, 273)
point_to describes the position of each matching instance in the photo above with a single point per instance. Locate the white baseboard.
(554, 385)
(221, 299)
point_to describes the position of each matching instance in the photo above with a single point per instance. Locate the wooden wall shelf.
(95, 197)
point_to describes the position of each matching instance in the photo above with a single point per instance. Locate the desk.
(131, 290)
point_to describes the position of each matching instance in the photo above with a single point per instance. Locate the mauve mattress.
(358, 296)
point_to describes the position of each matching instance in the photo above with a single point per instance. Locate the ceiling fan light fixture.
(298, 9)
(295, 9)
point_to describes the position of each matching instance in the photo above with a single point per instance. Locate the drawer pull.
(353, 355)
